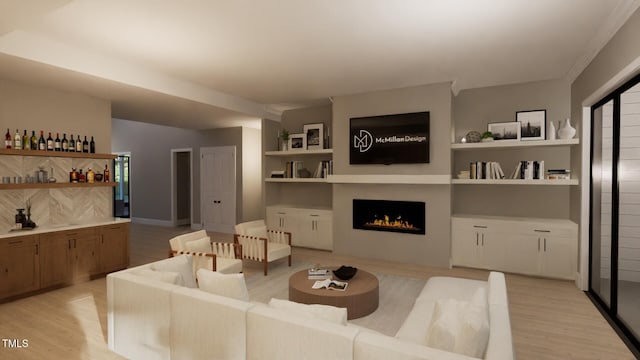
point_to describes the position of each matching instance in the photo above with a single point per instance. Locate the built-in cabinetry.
(310, 228)
(55, 258)
(543, 247)
(310, 159)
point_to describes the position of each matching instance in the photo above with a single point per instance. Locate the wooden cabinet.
(19, 265)
(114, 247)
(308, 227)
(58, 258)
(540, 247)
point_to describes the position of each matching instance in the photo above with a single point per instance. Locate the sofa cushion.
(202, 245)
(278, 251)
(229, 285)
(228, 266)
(182, 264)
(170, 277)
(461, 326)
(325, 312)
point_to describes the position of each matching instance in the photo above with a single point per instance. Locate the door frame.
(202, 182)
(113, 174)
(174, 193)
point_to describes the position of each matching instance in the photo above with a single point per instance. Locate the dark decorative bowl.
(345, 272)
(98, 177)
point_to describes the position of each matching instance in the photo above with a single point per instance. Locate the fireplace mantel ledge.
(390, 179)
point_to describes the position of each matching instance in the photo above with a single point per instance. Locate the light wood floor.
(550, 319)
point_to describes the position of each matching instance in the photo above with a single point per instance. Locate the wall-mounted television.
(390, 139)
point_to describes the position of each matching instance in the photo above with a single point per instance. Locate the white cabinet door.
(465, 244)
(492, 249)
(279, 219)
(558, 257)
(322, 228)
(522, 253)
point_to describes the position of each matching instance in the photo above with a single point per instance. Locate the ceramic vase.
(566, 131)
(551, 132)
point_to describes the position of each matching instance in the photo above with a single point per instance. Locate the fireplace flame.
(398, 223)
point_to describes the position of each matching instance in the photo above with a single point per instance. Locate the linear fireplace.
(386, 215)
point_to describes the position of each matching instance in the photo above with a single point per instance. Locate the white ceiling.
(206, 63)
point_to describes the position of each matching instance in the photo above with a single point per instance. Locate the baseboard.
(181, 222)
(167, 223)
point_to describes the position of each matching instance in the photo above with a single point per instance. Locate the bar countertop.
(7, 233)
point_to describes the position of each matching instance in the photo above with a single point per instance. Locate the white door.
(218, 188)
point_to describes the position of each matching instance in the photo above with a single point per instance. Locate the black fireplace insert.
(388, 215)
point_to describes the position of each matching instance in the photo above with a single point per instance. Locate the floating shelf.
(514, 144)
(391, 179)
(299, 152)
(55, 185)
(296, 180)
(514, 182)
(56, 154)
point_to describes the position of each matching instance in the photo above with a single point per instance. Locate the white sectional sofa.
(150, 319)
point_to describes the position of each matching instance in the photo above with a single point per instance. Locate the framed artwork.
(505, 130)
(314, 136)
(297, 141)
(532, 124)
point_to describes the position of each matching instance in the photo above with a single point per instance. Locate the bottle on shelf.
(92, 146)
(73, 176)
(57, 145)
(91, 176)
(34, 140)
(106, 173)
(78, 144)
(26, 141)
(65, 143)
(17, 140)
(72, 143)
(81, 177)
(85, 145)
(7, 140)
(50, 142)
(42, 144)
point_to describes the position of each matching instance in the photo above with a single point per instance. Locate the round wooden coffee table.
(360, 298)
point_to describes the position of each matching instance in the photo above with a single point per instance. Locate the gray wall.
(430, 249)
(473, 110)
(150, 146)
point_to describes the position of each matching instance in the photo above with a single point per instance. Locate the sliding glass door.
(614, 280)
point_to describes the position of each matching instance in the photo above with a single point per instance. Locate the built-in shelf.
(55, 185)
(56, 154)
(391, 179)
(296, 180)
(513, 144)
(299, 152)
(515, 182)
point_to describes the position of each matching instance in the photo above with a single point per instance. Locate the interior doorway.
(181, 187)
(121, 192)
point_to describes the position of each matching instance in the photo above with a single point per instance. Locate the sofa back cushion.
(170, 277)
(229, 285)
(182, 264)
(329, 313)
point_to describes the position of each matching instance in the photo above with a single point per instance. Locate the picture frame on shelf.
(297, 141)
(532, 124)
(505, 130)
(314, 134)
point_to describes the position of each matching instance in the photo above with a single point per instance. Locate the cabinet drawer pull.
(480, 226)
(542, 231)
(15, 242)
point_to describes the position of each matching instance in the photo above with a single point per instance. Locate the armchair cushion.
(277, 251)
(229, 285)
(258, 231)
(182, 264)
(202, 245)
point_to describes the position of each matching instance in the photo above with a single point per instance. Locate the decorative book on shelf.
(485, 170)
(324, 169)
(529, 170)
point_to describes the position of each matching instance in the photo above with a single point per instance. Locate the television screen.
(390, 139)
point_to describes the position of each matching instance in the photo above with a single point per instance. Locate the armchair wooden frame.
(237, 252)
(253, 242)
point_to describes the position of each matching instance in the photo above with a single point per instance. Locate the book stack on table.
(319, 274)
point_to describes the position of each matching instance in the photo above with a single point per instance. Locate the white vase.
(551, 132)
(566, 131)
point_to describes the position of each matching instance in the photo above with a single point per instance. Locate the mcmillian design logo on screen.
(364, 140)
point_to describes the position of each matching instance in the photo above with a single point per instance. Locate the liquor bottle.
(65, 143)
(26, 141)
(7, 140)
(17, 140)
(72, 143)
(73, 176)
(42, 144)
(91, 176)
(106, 173)
(92, 146)
(49, 142)
(78, 144)
(85, 145)
(81, 177)
(57, 145)
(34, 140)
